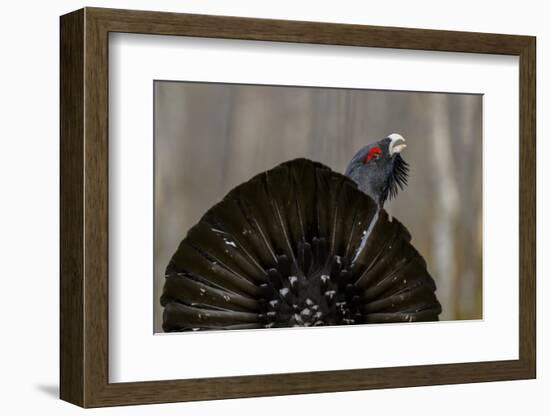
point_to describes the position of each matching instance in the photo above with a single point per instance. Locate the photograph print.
(289, 206)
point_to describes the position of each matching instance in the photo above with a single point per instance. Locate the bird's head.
(378, 168)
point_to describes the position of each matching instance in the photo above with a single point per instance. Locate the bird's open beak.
(397, 143)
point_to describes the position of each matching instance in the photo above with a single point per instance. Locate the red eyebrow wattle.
(373, 151)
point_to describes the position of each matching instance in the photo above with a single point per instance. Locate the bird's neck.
(372, 189)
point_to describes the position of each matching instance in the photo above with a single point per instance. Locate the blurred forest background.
(210, 138)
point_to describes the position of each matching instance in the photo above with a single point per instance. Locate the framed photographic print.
(255, 207)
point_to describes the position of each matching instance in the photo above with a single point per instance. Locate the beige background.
(211, 137)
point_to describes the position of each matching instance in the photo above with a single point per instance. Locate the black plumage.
(297, 245)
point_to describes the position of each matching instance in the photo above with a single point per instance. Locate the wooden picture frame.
(84, 207)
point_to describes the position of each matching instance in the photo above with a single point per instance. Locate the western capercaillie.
(302, 245)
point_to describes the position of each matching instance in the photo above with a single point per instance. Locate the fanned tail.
(297, 245)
